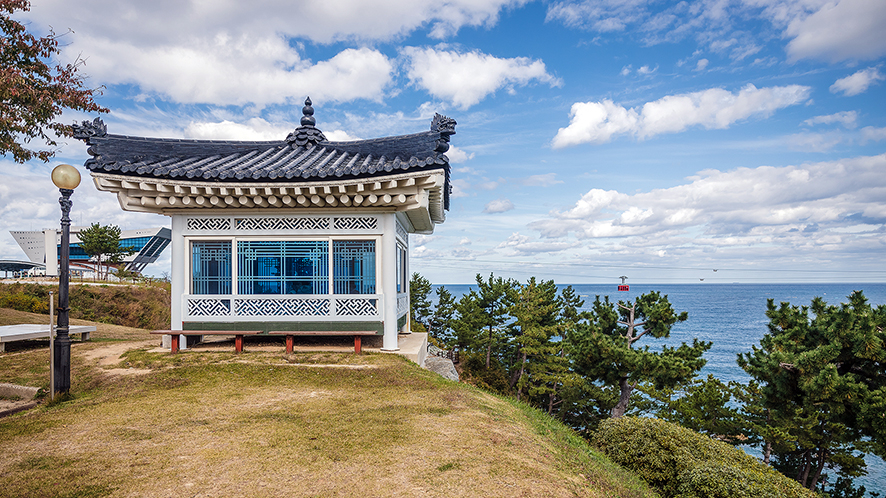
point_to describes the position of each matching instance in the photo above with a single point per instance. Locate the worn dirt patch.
(110, 355)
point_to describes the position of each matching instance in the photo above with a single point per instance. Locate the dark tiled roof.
(304, 156)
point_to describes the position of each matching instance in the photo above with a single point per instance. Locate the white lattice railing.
(304, 223)
(402, 304)
(282, 308)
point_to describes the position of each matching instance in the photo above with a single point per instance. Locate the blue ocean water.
(733, 317)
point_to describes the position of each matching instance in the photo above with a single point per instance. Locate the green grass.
(264, 424)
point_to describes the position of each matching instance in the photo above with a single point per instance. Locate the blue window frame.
(210, 267)
(282, 267)
(285, 267)
(353, 263)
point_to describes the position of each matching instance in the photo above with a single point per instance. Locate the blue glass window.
(353, 264)
(283, 267)
(210, 267)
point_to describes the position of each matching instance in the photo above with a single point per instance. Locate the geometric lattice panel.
(356, 307)
(279, 223)
(281, 307)
(209, 307)
(402, 304)
(214, 224)
(356, 223)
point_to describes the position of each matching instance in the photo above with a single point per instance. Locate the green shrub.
(494, 378)
(685, 464)
(24, 302)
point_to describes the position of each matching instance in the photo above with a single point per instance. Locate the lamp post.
(66, 178)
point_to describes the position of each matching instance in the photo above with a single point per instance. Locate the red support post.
(289, 344)
(358, 345)
(238, 343)
(173, 343)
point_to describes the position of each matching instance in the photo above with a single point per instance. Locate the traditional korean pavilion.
(297, 234)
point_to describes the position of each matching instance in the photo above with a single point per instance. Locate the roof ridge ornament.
(446, 127)
(87, 129)
(306, 133)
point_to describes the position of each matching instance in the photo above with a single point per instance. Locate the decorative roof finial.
(306, 134)
(308, 111)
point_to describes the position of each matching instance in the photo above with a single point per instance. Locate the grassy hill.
(261, 424)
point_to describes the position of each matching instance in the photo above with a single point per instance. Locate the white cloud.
(543, 180)
(457, 155)
(226, 70)
(518, 244)
(701, 64)
(815, 142)
(845, 118)
(321, 21)
(193, 51)
(808, 204)
(858, 82)
(466, 78)
(498, 206)
(873, 134)
(837, 31)
(599, 122)
(256, 129)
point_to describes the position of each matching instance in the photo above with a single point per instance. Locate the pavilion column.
(179, 279)
(50, 242)
(389, 281)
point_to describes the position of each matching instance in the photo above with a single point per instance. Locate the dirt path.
(110, 355)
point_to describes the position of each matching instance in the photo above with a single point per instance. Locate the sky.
(710, 141)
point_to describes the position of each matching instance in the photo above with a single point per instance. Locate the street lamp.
(66, 178)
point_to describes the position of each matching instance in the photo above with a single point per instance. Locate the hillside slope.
(261, 424)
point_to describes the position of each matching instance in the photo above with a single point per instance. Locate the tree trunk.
(767, 452)
(522, 369)
(821, 459)
(489, 348)
(803, 476)
(624, 399)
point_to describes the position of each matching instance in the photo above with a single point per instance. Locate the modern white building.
(299, 234)
(42, 247)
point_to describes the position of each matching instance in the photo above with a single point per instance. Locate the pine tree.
(103, 244)
(535, 309)
(494, 298)
(607, 353)
(419, 305)
(441, 321)
(822, 387)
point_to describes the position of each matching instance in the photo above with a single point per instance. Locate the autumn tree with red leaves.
(34, 89)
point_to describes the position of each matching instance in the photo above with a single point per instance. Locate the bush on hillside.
(494, 378)
(145, 307)
(24, 302)
(685, 464)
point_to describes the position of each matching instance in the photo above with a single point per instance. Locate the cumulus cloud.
(751, 206)
(234, 53)
(253, 129)
(225, 70)
(835, 31)
(466, 78)
(321, 21)
(457, 155)
(599, 122)
(498, 206)
(858, 82)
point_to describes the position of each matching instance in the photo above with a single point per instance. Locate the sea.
(733, 317)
